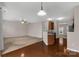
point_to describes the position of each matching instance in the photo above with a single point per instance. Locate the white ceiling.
(28, 10)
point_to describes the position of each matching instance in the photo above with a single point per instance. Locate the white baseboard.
(73, 50)
(23, 36)
(45, 43)
(34, 37)
(15, 36)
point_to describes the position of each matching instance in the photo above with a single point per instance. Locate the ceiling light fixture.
(60, 18)
(22, 21)
(41, 12)
(4, 9)
(49, 19)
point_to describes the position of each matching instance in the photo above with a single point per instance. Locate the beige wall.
(73, 37)
(1, 33)
(14, 29)
(35, 29)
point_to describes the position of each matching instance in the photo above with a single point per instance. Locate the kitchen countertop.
(51, 33)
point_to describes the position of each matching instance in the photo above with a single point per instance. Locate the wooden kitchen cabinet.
(48, 34)
(50, 25)
(51, 39)
(51, 35)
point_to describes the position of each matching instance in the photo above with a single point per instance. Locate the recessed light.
(60, 18)
(49, 19)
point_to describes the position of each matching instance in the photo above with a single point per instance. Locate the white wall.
(45, 37)
(73, 41)
(14, 29)
(45, 33)
(35, 29)
(73, 37)
(1, 33)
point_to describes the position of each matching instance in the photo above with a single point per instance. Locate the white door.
(61, 30)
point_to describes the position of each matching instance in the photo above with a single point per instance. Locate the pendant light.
(22, 21)
(41, 12)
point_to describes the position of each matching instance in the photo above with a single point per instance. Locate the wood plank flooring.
(41, 50)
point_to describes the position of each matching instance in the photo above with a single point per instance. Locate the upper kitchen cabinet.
(48, 33)
(50, 25)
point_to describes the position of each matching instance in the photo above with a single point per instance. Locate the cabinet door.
(51, 25)
(51, 39)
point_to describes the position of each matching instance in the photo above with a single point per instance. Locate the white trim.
(45, 43)
(73, 50)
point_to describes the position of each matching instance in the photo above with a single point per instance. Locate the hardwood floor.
(41, 50)
(0, 53)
